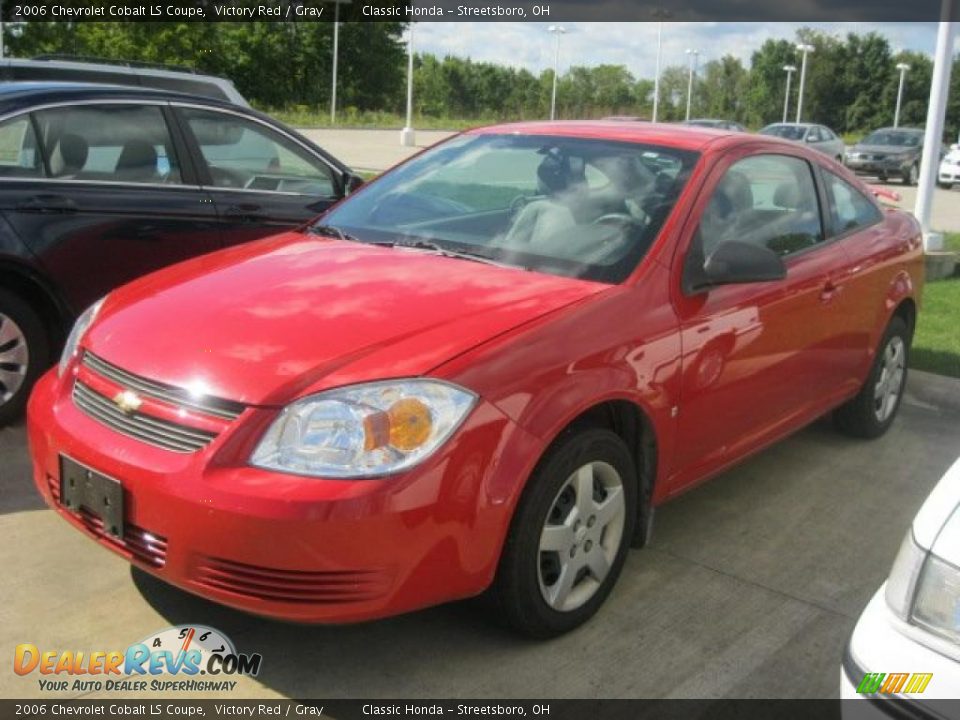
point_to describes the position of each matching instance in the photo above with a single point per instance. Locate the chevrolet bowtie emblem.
(128, 402)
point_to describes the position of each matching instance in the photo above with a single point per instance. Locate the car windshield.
(788, 132)
(892, 137)
(576, 207)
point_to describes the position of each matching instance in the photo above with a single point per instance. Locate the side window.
(241, 153)
(109, 143)
(18, 149)
(825, 133)
(813, 134)
(768, 200)
(849, 208)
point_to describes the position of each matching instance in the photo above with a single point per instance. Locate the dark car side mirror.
(734, 263)
(351, 183)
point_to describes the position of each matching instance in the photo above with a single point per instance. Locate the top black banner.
(482, 11)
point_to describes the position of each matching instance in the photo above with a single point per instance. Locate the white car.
(905, 649)
(949, 172)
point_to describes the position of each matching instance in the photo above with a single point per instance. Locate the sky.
(529, 45)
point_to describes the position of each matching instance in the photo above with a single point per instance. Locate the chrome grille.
(210, 406)
(154, 431)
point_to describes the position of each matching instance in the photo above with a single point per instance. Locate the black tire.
(860, 416)
(15, 310)
(516, 591)
(882, 179)
(911, 175)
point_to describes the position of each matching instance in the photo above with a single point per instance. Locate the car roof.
(18, 95)
(791, 124)
(685, 137)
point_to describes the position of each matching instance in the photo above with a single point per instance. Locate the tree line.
(851, 82)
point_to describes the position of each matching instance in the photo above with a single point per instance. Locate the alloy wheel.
(889, 385)
(14, 358)
(581, 536)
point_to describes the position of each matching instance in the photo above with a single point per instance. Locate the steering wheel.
(616, 219)
(518, 204)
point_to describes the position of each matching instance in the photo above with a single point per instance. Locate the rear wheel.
(871, 412)
(882, 178)
(570, 535)
(24, 353)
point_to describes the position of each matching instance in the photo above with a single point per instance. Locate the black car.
(888, 152)
(101, 184)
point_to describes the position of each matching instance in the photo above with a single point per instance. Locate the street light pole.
(407, 134)
(336, 42)
(790, 69)
(692, 54)
(933, 131)
(656, 78)
(902, 67)
(805, 49)
(557, 30)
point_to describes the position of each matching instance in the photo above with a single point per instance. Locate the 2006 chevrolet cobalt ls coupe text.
(482, 372)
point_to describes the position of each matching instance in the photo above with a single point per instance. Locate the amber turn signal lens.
(410, 424)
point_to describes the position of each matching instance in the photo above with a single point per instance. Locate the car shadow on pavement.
(305, 661)
(17, 492)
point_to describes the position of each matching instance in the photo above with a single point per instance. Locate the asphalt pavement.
(750, 588)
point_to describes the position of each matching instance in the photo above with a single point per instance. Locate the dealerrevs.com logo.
(185, 652)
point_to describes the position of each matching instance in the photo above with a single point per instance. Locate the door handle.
(830, 290)
(47, 204)
(246, 212)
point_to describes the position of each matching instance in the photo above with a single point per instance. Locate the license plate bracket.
(98, 494)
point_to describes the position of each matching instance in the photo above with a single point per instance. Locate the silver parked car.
(818, 137)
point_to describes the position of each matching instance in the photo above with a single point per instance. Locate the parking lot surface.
(750, 588)
(377, 150)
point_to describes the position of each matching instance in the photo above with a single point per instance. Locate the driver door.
(262, 182)
(757, 357)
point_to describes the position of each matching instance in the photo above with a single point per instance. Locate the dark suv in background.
(888, 152)
(101, 184)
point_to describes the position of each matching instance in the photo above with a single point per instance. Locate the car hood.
(884, 149)
(263, 323)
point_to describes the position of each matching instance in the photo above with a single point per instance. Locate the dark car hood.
(265, 322)
(884, 149)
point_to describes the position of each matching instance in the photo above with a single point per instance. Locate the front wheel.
(871, 412)
(911, 176)
(24, 353)
(570, 535)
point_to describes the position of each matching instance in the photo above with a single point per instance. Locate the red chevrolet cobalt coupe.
(482, 372)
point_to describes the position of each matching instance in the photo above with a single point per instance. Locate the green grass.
(303, 117)
(936, 345)
(951, 241)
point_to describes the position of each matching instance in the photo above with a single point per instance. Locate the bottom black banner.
(548, 709)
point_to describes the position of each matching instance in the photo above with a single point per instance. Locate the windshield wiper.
(333, 231)
(448, 252)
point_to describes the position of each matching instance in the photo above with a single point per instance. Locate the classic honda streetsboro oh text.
(481, 372)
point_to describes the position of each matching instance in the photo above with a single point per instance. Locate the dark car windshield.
(788, 132)
(576, 207)
(898, 138)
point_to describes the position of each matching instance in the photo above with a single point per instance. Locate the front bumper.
(949, 174)
(882, 643)
(888, 166)
(296, 548)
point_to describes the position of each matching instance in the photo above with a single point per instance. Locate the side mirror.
(351, 183)
(734, 263)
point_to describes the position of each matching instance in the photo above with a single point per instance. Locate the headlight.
(363, 430)
(937, 603)
(76, 334)
(903, 577)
